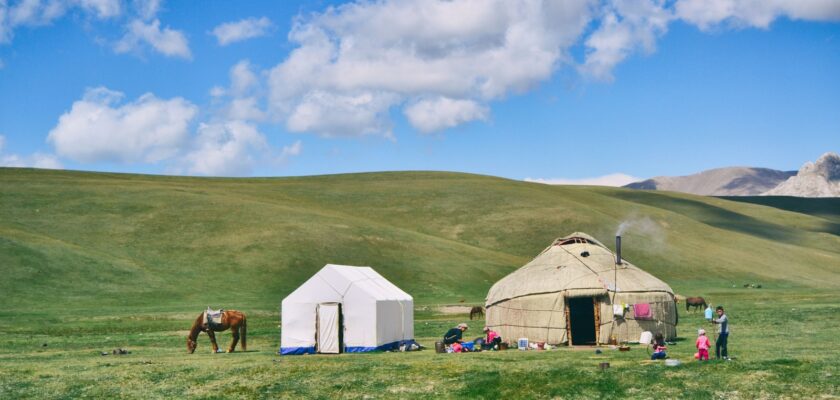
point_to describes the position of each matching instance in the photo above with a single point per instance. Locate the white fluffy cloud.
(40, 12)
(757, 13)
(225, 149)
(147, 9)
(230, 143)
(168, 42)
(364, 58)
(248, 28)
(97, 128)
(232, 148)
(625, 26)
(36, 160)
(242, 78)
(292, 150)
(431, 115)
(334, 115)
(606, 180)
(628, 26)
(241, 101)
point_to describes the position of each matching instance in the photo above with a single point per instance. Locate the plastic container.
(646, 337)
(439, 347)
(522, 343)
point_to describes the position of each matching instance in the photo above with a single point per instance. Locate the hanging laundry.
(642, 311)
(618, 310)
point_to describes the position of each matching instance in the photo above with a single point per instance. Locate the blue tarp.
(355, 349)
(284, 351)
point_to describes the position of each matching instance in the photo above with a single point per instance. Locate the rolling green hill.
(92, 262)
(78, 240)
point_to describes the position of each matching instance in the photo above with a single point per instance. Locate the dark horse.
(694, 302)
(231, 319)
(476, 312)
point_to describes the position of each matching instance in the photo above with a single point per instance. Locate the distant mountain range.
(814, 179)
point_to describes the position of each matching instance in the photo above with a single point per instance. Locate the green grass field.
(93, 262)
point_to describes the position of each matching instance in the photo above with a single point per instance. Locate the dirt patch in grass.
(454, 309)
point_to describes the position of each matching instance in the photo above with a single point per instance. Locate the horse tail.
(244, 333)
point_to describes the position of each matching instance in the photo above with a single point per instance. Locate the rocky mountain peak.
(814, 179)
(827, 166)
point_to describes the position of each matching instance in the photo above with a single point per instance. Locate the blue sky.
(521, 89)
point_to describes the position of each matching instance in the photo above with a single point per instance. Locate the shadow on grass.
(827, 208)
(712, 215)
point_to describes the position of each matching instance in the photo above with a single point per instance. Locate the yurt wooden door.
(581, 319)
(328, 328)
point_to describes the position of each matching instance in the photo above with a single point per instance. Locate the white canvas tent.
(346, 309)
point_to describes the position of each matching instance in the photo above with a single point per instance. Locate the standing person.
(703, 345)
(723, 334)
(453, 337)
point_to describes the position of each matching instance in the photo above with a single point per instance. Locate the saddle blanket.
(213, 317)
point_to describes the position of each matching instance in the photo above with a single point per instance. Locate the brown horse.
(231, 319)
(476, 312)
(695, 302)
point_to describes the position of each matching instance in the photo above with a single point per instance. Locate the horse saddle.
(213, 317)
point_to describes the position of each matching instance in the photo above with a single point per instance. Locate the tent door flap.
(328, 328)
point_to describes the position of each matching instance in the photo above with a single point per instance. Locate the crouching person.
(453, 338)
(658, 347)
(491, 340)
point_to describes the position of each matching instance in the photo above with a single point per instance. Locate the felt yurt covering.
(534, 301)
(346, 309)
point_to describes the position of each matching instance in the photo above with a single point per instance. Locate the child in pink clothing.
(492, 340)
(703, 345)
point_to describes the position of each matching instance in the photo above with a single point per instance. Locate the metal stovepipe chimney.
(618, 250)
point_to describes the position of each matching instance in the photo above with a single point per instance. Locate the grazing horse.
(694, 302)
(231, 319)
(476, 312)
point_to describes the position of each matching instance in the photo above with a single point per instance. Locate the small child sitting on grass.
(703, 345)
(658, 348)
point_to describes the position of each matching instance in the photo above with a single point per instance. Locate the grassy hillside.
(92, 262)
(82, 239)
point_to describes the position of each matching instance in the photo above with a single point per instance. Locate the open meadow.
(93, 262)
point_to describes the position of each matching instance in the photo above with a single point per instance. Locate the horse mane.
(196, 327)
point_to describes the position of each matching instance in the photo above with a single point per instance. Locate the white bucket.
(522, 343)
(646, 337)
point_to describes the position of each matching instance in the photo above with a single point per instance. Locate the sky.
(574, 91)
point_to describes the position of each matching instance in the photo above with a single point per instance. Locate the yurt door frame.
(329, 328)
(582, 316)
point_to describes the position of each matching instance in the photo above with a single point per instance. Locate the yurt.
(578, 292)
(346, 309)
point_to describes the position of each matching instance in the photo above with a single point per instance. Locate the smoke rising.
(645, 227)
